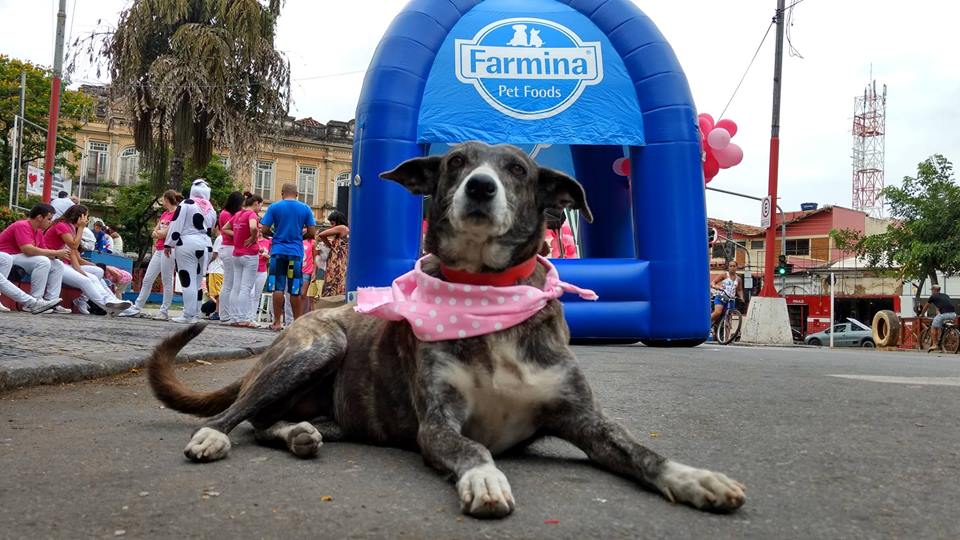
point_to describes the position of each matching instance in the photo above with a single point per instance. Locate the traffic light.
(783, 268)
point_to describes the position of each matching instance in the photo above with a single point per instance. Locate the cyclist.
(946, 313)
(732, 286)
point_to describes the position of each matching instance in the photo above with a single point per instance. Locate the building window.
(96, 162)
(263, 179)
(307, 185)
(756, 244)
(718, 251)
(129, 166)
(798, 247)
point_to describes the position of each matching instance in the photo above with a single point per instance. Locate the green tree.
(196, 74)
(75, 107)
(924, 236)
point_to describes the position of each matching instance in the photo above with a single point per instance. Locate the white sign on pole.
(35, 182)
(765, 211)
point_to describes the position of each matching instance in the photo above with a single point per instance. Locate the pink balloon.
(705, 121)
(728, 125)
(718, 138)
(621, 167)
(729, 156)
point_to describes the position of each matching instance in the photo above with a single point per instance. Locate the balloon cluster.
(718, 151)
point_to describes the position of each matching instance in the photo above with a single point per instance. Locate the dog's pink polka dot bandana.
(438, 310)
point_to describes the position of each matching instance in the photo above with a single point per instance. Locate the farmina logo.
(528, 68)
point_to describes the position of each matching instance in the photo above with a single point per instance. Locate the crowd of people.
(230, 257)
(223, 261)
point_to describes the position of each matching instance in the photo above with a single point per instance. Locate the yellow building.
(314, 155)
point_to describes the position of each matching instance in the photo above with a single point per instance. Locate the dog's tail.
(173, 393)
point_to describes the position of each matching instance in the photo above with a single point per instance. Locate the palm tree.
(197, 74)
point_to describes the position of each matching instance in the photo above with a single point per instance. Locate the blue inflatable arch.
(645, 254)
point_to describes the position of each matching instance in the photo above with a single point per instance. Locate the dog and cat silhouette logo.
(520, 37)
(528, 68)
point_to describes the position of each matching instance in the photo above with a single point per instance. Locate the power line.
(765, 34)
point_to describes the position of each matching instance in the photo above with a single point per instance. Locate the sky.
(908, 46)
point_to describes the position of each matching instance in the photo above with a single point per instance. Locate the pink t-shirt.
(241, 232)
(53, 238)
(166, 217)
(19, 233)
(308, 263)
(264, 244)
(225, 217)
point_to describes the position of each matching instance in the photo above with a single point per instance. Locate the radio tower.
(869, 128)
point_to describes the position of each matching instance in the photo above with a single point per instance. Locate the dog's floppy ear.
(418, 175)
(557, 190)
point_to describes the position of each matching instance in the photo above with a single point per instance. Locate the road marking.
(930, 381)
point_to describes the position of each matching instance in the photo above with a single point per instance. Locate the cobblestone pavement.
(44, 349)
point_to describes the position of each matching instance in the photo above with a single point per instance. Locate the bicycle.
(727, 326)
(949, 336)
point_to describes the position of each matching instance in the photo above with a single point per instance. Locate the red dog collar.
(508, 277)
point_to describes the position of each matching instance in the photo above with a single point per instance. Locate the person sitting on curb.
(21, 244)
(64, 233)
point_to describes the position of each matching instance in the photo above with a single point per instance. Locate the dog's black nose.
(481, 187)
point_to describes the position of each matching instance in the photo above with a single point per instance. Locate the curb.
(64, 369)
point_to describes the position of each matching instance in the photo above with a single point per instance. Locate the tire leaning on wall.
(886, 329)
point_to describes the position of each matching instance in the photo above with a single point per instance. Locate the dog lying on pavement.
(462, 359)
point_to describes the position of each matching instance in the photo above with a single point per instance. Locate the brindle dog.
(340, 375)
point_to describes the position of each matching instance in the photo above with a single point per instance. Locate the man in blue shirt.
(288, 218)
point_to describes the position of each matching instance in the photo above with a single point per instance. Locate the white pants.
(46, 275)
(191, 264)
(258, 292)
(164, 266)
(8, 289)
(243, 303)
(90, 284)
(229, 278)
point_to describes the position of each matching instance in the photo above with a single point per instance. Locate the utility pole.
(768, 322)
(54, 112)
(769, 290)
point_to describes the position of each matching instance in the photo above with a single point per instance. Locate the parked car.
(852, 333)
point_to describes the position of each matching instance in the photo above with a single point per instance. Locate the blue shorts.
(718, 301)
(942, 318)
(285, 274)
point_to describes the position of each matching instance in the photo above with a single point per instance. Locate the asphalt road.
(832, 444)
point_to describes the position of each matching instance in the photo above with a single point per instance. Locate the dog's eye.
(518, 170)
(456, 162)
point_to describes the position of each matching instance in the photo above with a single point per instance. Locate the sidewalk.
(49, 349)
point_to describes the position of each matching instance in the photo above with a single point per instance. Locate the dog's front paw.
(700, 488)
(304, 440)
(485, 492)
(207, 445)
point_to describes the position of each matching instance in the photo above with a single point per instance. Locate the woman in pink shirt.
(160, 264)
(233, 205)
(245, 229)
(62, 234)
